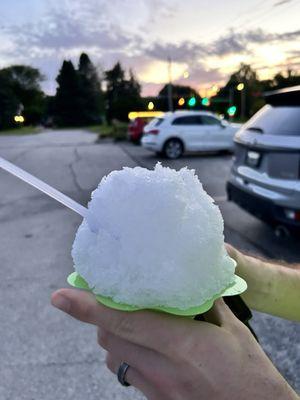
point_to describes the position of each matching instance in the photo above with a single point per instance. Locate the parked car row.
(265, 176)
(180, 131)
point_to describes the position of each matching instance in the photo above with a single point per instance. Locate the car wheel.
(173, 149)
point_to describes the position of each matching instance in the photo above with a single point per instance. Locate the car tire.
(173, 149)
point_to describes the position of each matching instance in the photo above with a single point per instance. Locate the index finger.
(157, 331)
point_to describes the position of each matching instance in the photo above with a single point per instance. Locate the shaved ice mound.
(159, 243)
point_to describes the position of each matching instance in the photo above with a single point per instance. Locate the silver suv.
(265, 176)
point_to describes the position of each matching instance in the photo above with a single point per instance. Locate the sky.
(206, 40)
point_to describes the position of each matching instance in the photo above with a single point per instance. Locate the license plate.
(253, 158)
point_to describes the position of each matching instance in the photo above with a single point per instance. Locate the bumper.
(149, 142)
(134, 136)
(264, 209)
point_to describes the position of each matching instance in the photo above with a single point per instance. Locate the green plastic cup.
(238, 286)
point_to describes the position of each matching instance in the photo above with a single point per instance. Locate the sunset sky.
(207, 39)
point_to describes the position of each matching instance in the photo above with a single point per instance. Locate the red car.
(135, 129)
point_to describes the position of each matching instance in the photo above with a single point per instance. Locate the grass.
(116, 131)
(24, 130)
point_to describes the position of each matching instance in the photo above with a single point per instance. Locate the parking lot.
(52, 356)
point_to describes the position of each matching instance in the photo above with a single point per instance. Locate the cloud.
(239, 42)
(281, 2)
(185, 51)
(57, 31)
(288, 35)
(120, 30)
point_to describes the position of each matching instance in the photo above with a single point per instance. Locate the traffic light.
(181, 101)
(205, 101)
(192, 101)
(231, 111)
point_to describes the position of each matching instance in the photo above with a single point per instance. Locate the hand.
(176, 358)
(273, 287)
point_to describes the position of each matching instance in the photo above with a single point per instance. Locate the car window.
(272, 120)
(208, 120)
(156, 121)
(188, 120)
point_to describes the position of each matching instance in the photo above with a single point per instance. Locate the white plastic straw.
(43, 187)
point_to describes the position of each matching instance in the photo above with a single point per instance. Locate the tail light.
(292, 214)
(153, 132)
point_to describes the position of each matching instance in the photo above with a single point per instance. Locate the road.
(47, 355)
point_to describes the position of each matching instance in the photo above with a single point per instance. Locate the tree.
(178, 91)
(21, 92)
(122, 95)
(91, 96)
(67, 101)
(282, 80)
(251, 91)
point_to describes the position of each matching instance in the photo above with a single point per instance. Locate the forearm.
(272, 288)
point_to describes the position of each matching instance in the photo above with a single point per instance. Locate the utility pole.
(243, 103)
(170, 89)
(231, 96)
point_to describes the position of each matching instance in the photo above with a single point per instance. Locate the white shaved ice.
(160, 240)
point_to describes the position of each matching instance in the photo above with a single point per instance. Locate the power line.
(247, 11)
(265, 15)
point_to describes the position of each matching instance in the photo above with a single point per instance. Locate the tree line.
(80, 99)
(86, 97)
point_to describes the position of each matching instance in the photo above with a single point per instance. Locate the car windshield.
(272, 120)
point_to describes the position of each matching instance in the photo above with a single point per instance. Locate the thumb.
(221, 315)
(79, 304)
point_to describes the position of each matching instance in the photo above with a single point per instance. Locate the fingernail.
(61, 302)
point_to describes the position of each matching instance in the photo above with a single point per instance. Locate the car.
(180, 131)
(265, 176)
(135, 129)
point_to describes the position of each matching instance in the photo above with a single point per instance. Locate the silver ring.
(122, 372)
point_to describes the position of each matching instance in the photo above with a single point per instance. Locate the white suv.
(182, 131)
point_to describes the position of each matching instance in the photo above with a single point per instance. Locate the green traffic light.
(205, 101)
(231, 111)
(192, 101)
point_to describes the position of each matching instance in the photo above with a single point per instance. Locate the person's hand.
(273, 287)
(178, 358)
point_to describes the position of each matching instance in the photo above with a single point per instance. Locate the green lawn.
(24, 130)
(117, 131)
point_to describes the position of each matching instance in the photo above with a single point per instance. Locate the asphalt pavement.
(46, 354)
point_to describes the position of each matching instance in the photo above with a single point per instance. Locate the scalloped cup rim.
(238, 286)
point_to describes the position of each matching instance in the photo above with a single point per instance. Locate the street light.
(240, 87)
(186, 74)
(150, 105)
(19, 118)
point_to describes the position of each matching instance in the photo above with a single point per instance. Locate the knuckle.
(240, 330)
(91, 312)
(110, 363)
(103, 338)
(122, 326)
(184, 349)
(83, 311)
